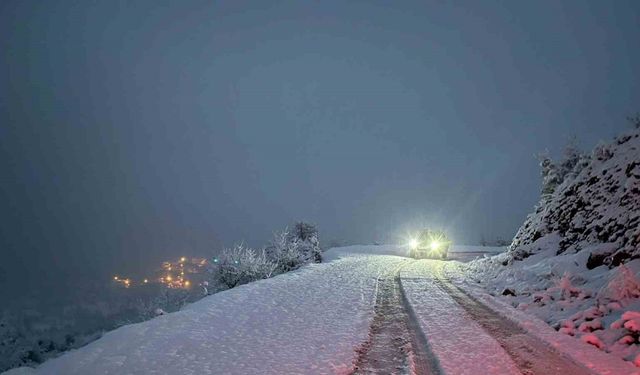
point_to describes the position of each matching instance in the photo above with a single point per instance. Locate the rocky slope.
(598, 204)
(575, 263)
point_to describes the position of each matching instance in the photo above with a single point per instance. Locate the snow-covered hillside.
(600, 205)
(573, 262)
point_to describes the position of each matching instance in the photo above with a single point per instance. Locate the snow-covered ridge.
(601, 204)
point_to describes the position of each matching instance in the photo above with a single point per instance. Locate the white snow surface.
(477, 249)
(597, 360)
(585, 305)
(461, 345)
(305, 322)
(465, 253)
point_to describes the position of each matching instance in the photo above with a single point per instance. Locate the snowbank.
(588, 305)
(581, 351)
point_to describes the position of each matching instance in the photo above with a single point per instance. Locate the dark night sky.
(135, 131)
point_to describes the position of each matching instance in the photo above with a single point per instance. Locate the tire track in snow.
(395, 344)
(425, 361)
(531, 355)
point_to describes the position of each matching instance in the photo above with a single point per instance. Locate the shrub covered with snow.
(306, 235)
(291, 249)
(284, 251)
(241, 264)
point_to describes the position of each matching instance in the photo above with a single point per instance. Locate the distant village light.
(183, 264)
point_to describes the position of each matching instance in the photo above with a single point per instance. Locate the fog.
(136, 132)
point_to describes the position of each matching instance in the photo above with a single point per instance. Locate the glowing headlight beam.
(434, 245)
(413, 243)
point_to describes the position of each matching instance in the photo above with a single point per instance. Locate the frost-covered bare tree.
(307, 236)
(582, 163)
(284, 250)
(573, 162)
(554, 174)
(287, 251)
(290, 249)
(241, 264)
(571, 157)
(304, 231)
(550, 175)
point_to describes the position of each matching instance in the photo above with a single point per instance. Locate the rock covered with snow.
(596, 202)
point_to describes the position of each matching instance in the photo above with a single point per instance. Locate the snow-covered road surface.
(460, 344)
(395, 345)
(361, 312)
(491, 343)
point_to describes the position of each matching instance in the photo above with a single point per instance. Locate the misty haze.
(282, 187)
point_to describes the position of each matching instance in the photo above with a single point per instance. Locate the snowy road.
(395, 344)
(469, 338)
(365, 311)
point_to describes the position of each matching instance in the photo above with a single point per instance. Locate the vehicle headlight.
(413, 243)
(434, 245)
